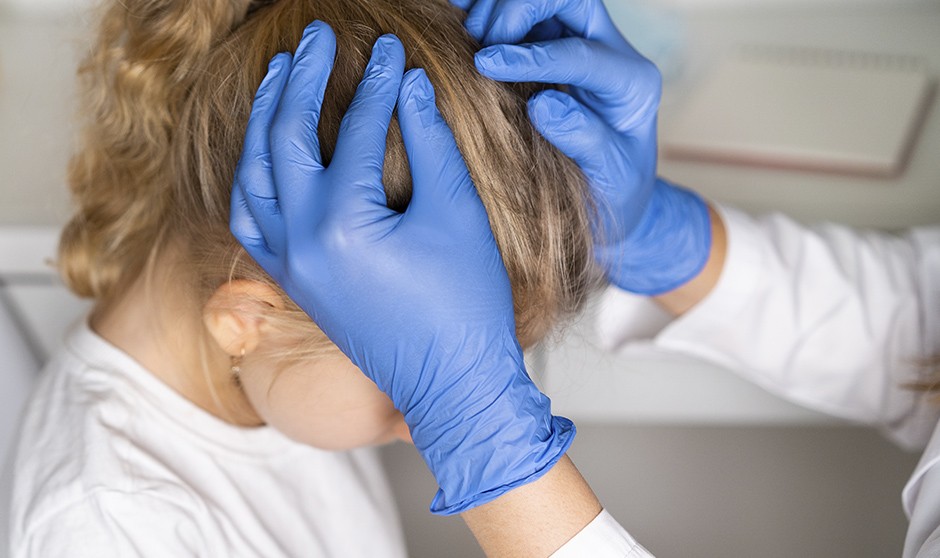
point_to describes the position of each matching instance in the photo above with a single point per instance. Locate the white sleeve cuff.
(602, 538)
(625, 318)
(719, 312)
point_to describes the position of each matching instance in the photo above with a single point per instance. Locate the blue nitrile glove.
(420, 301)
(651, 236)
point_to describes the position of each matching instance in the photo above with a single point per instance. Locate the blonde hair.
(168, 89)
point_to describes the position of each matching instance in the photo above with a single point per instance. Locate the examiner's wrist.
(516, 460)
(685, 297)
(538, 518)
(668, 247)
(489, 438)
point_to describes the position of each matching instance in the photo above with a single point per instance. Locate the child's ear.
(234, 314)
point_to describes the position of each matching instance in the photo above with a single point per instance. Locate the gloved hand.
(420, 301)
(650, 236)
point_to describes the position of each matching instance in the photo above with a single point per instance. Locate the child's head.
(169, 88)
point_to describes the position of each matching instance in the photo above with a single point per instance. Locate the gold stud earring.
(237, 363)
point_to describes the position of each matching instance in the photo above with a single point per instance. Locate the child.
(198, 411)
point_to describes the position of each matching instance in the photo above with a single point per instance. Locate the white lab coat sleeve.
(602, 538)
(921, 499)
(832, 318)
(111, 523)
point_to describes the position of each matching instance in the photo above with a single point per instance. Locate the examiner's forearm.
(535, 519)
(680, 300)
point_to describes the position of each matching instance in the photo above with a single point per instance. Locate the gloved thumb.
(575, 130)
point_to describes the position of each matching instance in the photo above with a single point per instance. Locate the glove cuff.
(479, 448)
(669, 246)
(523, 466)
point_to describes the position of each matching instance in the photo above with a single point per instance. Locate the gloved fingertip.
(551, 106)
(510, 63)
(312, 30)
(571, 127)
(388, 57)
(276, 65)
(386, 46)
(317, 26)
(417, 87)
(314, 33)
(490, 61)
(486, 56)
(279, 61)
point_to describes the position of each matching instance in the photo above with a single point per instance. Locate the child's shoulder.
(109, 454)
(82, 450)
(108, 521)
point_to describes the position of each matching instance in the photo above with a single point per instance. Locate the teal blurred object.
(656, 31)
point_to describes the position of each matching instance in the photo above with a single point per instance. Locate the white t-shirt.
(113, 462)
